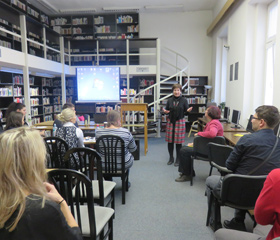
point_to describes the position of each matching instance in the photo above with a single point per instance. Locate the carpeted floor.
(157, 207)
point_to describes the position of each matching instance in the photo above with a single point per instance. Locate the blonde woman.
(72, 135)
(30, 208)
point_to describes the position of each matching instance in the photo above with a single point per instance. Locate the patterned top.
(73, 136)
(129, 142)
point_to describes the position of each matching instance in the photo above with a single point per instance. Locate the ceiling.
(53, 7)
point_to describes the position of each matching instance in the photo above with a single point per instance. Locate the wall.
(183, 32)
(246, 38)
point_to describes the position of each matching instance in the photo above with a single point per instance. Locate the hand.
(195, 134)
(189, 109)
(53, 193)
(165, 111)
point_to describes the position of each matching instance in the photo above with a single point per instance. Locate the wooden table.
(233, 137)
(137, 107)
(227, 126)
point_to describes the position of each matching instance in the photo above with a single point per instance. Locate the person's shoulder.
(275, 174)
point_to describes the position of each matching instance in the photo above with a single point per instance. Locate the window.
(270, 52)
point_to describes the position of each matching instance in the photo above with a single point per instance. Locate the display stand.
(138, 107)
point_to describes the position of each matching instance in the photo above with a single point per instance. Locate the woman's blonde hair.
(22, 171)
(113, 117)
(66, 115)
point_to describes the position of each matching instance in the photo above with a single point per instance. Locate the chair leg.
(111, 229)
(123, 190)
(191, 182)
(190, 132)
(210, 173)
(217, 214)
(209, 209)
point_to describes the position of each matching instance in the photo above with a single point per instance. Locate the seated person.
(212, 129)
(58, 123)
(16, 107)
(72, 135)
(266, 212)
(30, 208)
(14, 120)
(249, 154)
(114, 128)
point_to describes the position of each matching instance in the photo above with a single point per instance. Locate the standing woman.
(176, 107)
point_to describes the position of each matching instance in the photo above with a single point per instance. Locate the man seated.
(249, 152)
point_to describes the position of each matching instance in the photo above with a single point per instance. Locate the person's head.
(22, 170)
(114, 118)
(14, 120)
(16, 107)
(209, 104)
(68, 105)
(213, 112)
(67, 115)
(265, 117)
(177, 89)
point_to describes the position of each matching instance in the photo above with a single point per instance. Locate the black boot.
(171, 160)
(176, 164)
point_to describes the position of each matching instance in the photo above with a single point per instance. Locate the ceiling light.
(164, 6)
(11, 70)
(49, 6)
(120, 9)
(83, 10)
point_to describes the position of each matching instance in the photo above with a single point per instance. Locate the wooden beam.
(221, 14)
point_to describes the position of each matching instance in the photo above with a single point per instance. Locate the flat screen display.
(98, 84)
(249, 125)
(235, 117)
(226, 112)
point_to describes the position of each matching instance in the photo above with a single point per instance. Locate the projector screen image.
(98, 84)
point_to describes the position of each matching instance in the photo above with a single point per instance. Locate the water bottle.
(29, 120)
(54, 130)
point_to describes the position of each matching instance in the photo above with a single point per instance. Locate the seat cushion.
(102, 216)
(108, 187)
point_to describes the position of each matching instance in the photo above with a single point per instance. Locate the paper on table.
(238, 135)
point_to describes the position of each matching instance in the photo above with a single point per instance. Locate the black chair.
(56, 148)
(88, 161)
(200, 149)
(237, 191)
(112, 150)
(94, 221)
(218, 154)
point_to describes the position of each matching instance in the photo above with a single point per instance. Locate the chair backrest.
(218, 153)
(200, 147)
(241, 191)
(64, 181)
(112, 150)
(56, 148)
(87, 161)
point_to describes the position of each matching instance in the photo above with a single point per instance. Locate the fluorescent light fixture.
(174, 6)
(44, 75)
(82, 10)
(49, 6)
(120, 9)
(207, 86)
(11, 70)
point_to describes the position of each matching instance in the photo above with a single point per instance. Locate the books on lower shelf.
(197, 100)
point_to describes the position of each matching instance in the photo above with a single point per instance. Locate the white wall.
(246, 38)
(183, 32)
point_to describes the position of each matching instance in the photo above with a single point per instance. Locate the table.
(227, 126)
(233, 137)
(138, 107)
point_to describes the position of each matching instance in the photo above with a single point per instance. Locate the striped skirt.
(179, 134)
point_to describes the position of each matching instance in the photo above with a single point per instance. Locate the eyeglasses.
(256, 118)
